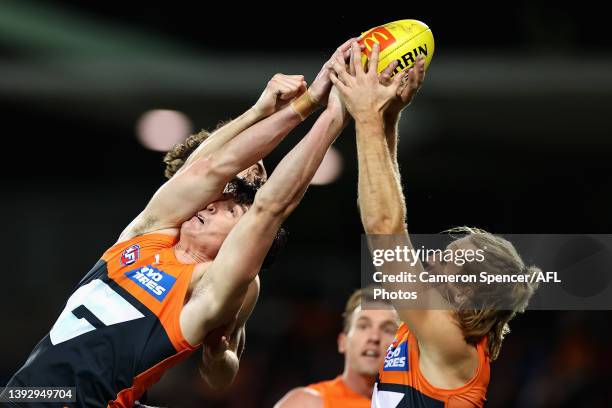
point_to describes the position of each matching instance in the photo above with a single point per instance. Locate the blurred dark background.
(510, 132)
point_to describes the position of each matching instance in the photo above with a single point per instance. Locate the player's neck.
(189, 255)
(360, 383)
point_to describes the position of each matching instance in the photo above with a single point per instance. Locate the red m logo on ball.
(379, 35)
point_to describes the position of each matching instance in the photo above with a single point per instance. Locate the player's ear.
(342, 343)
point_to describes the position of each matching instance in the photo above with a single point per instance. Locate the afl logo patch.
(130, 255)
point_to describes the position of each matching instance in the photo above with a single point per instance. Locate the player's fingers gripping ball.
(402, 41)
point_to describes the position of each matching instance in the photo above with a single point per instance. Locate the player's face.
(209, 227)
(256, 171)
(369, 336)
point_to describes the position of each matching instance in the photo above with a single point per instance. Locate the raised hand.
(362, 93)
(411, 83)
(321, 86)
(279, 92)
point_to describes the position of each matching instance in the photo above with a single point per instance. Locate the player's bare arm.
(381, 199)
(279, 92)
(224, 346)
(218, 297)
(205, 178)
(411, 83)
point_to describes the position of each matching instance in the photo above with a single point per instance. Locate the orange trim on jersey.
(336, 394)
(471, 394)
(127, 397)
(155, 249)
(154, 239)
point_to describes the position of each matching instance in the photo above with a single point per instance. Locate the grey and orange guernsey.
(401, 384)
(119, 331)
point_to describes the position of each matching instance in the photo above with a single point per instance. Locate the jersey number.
(90, 307)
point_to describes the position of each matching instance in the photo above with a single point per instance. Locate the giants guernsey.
(336, 394)
(402, 385)
(119, 330)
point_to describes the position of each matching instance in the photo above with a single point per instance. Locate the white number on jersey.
(385, 399)
(102, 301)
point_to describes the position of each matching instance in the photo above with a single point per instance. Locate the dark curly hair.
(242, 191)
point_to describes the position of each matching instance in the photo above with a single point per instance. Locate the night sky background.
(510, 133)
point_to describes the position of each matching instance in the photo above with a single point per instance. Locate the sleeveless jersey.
(119, 330)
(401, 384)
(336, 394)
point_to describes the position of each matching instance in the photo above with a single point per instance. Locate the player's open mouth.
(371, 353)
(199, 218)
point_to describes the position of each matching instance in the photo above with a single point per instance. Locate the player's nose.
(374, 336)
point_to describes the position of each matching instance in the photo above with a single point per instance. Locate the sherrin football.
(401, 40)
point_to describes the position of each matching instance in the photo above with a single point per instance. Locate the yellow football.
(401, 40)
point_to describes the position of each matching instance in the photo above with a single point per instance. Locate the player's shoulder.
(326, 386)
(305, 397)
(140, 245)
(145, 224)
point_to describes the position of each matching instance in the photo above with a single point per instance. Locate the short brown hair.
(354, 301)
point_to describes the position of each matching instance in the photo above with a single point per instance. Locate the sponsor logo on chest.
(155, 281)
(397, 357)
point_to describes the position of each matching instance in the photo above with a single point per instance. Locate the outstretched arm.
(204, 178)
(216, 162)
(223, 347)
(381, 200)
(367, 100)
(411, 82)
(219, 295)
(277, 95)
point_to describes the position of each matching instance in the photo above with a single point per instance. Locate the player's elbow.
(216, 384)
(277, 208)
(203, 168)
(212, 166)
(219, 376)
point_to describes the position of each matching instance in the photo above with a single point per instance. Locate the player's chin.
(371, 370)
(370, 367)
